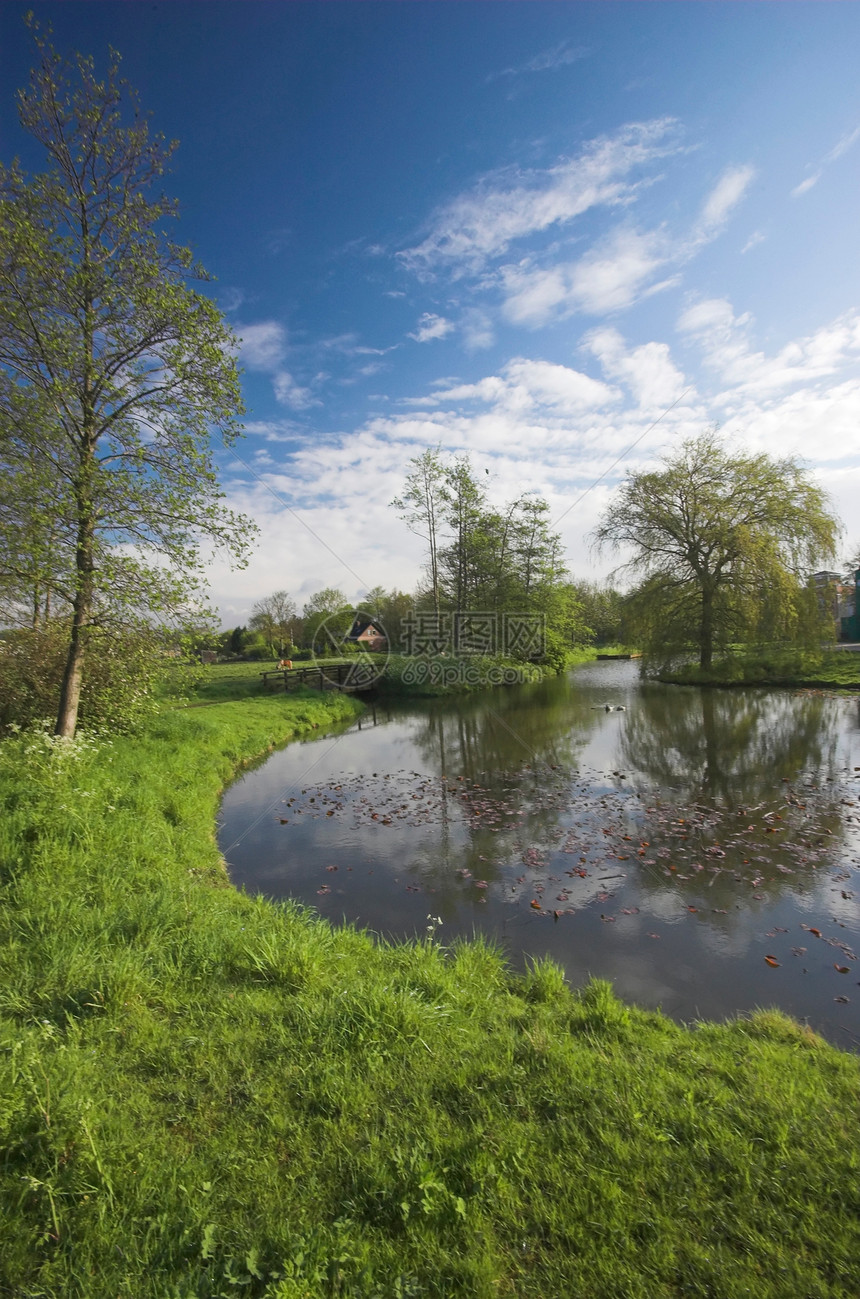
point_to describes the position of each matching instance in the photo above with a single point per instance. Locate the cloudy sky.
(556, 236)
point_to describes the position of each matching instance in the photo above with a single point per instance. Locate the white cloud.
(613, 275)
(648, 371)
(262, 346)
(289, 393)
(724, 339)
(272, 430)
(754, 240)
(842, 145)
(431, 326)
(528, 385)
(726, 194)
(477, 330)
(822, 425)
(513, 204)
(559, 56)
(230, 299)
(806, 185)
(541, 426)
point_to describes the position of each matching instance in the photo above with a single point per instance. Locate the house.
(849, 609)
(837, 595)
(368, 633)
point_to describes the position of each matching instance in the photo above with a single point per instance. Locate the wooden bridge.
(349, 678)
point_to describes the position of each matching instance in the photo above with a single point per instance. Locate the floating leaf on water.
(817, 932)
(534, 903)
(771, 960)
(842, 969)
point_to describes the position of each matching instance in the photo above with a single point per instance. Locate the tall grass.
(205, 1094)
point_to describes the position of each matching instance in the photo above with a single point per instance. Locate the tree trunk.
(706, 637)
(434, 562)
(70, 691)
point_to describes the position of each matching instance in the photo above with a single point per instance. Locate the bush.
(255, 647)
(120, 677)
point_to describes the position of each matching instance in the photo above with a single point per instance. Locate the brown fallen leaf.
(771, 960)
(534, 903)
(842, 969)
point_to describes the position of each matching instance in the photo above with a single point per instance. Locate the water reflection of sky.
(669, 844)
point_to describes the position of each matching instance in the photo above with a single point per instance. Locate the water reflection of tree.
(546, 724)
(732, 745)
(732, 750)
(516, 751)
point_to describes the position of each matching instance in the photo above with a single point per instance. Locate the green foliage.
(205, 1094)
(556, 651)
(481, 558)
(390, 609)
(276, 617)
(120, 688)
(603, 611)
(421, 506)
(724, 543)
(773, 665)
(256, 647)
(113, 374)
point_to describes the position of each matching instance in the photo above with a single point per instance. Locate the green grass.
(207, 1095)
(832, 669)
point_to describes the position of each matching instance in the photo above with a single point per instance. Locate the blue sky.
(525, 231)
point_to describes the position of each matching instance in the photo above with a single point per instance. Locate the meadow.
(207, 1095)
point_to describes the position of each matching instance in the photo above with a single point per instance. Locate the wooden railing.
(348, 677)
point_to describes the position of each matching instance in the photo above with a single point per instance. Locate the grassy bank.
(434, 676)
(401, 676)
(833, 669)
(207, 1095)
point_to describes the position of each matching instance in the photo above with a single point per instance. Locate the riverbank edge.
(204, 1093)
(428, 677)
(794, 682)
(836, 669)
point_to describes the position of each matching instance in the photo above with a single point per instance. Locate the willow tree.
(115, 373)
(724, 544)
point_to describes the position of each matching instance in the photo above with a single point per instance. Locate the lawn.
(207, 1095)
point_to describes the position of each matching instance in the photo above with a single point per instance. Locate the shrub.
(123, 669)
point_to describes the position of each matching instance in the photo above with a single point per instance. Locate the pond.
(699, 848)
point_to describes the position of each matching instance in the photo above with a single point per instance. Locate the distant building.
(368, 634)
(849, 609)
(837, 595)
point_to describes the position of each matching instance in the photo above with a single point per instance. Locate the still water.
(699, 848)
